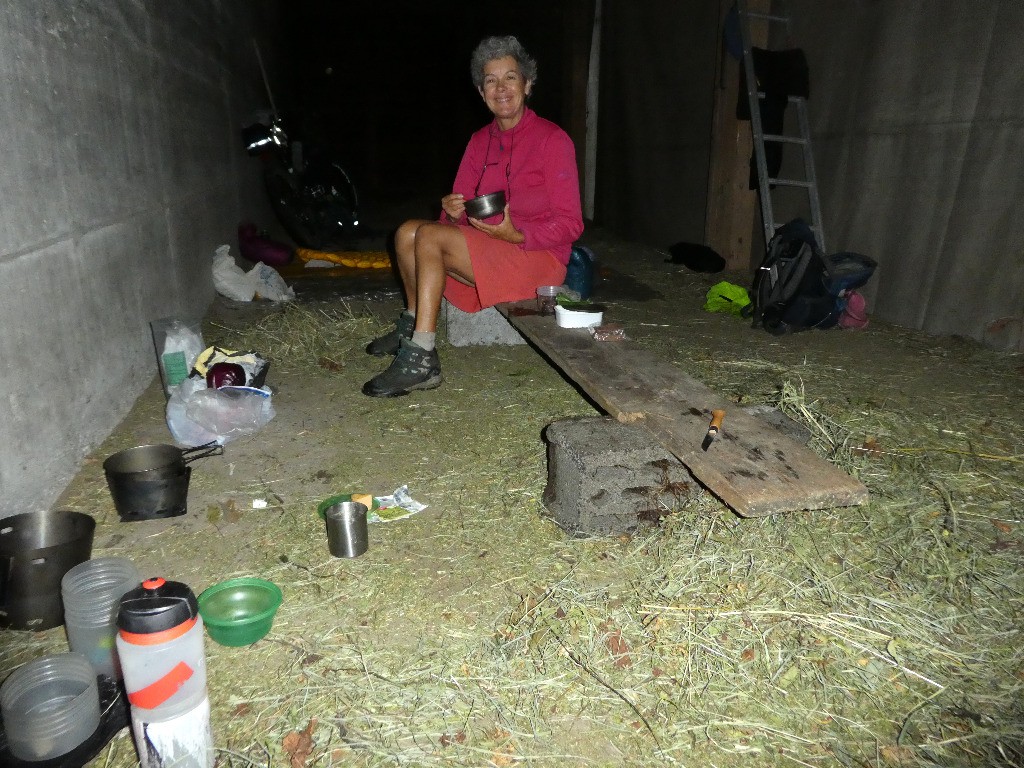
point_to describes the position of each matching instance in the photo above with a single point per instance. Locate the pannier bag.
(797, 287)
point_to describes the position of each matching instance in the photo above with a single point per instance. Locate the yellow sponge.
(363, 498)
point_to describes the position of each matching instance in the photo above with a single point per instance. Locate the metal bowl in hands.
(486, 205)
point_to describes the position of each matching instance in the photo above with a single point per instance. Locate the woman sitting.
(477, 263)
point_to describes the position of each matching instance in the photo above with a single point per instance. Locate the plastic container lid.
(240, 391)
(156, 606)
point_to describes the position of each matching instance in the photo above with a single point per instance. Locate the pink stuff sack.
(855, 314)
(256, 248)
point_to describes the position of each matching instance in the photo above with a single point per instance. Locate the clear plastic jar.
(50, 706)
(91, 592)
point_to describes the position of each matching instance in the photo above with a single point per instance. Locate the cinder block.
(486, 327)
(603, 476)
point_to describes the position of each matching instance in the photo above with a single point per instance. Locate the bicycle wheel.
(330, 205)
(321, 211)
(289, 208)
(334, 186)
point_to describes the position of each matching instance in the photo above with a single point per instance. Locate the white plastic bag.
(229, 279)
(269, 284)
(262, 280)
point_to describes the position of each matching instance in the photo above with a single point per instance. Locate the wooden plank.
(752, 467)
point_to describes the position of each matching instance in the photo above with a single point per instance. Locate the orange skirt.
(502, 272)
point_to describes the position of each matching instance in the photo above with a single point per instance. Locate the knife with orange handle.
(713, 428)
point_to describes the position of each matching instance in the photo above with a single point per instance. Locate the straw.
(477, 633)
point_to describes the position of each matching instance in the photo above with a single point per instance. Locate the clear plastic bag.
(178, 344)
(185, 431)
(197, 414)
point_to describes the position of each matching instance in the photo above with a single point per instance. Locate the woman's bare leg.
(405, 251)
(428, 253)
(439, 250)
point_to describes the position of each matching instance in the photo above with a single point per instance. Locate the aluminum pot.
(150, 482)
(36, 550)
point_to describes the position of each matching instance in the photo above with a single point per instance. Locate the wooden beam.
(732, 207)
(577, 29)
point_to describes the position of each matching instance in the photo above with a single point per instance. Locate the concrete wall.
(917, 114)
(122, 172)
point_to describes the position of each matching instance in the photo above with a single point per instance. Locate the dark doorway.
(386, 85)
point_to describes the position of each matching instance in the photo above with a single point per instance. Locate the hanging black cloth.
(780, 74)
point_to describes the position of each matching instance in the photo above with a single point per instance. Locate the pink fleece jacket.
(542, 182)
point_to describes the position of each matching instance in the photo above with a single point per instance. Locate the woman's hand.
(454, 205)
(503, 230)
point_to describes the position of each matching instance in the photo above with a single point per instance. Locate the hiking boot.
(388, 343)
(413, 368)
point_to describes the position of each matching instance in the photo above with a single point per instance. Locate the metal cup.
(346, 529)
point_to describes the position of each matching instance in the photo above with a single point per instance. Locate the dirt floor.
(478, 633)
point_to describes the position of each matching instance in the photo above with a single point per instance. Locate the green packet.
(577, 305)
(397, 506)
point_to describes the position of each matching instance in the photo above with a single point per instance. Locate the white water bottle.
(160, 645)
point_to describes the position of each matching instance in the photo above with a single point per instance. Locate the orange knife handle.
(716, 420)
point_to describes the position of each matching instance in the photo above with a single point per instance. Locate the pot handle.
(212, 448)
(6, 565)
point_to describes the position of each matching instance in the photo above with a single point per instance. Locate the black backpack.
(797, 287)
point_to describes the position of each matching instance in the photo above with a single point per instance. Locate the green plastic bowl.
(239, 611)
(327, 503)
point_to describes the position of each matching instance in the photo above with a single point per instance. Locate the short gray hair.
(491, 48)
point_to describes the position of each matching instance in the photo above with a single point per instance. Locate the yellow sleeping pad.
(355, 259)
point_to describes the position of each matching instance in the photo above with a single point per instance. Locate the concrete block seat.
(483, 328)
(605, 477)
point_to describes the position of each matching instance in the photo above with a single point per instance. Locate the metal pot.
(36, 550)
(485, 206)
(151, 481)
(156, 458)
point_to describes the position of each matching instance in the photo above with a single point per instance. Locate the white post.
(590, 158)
